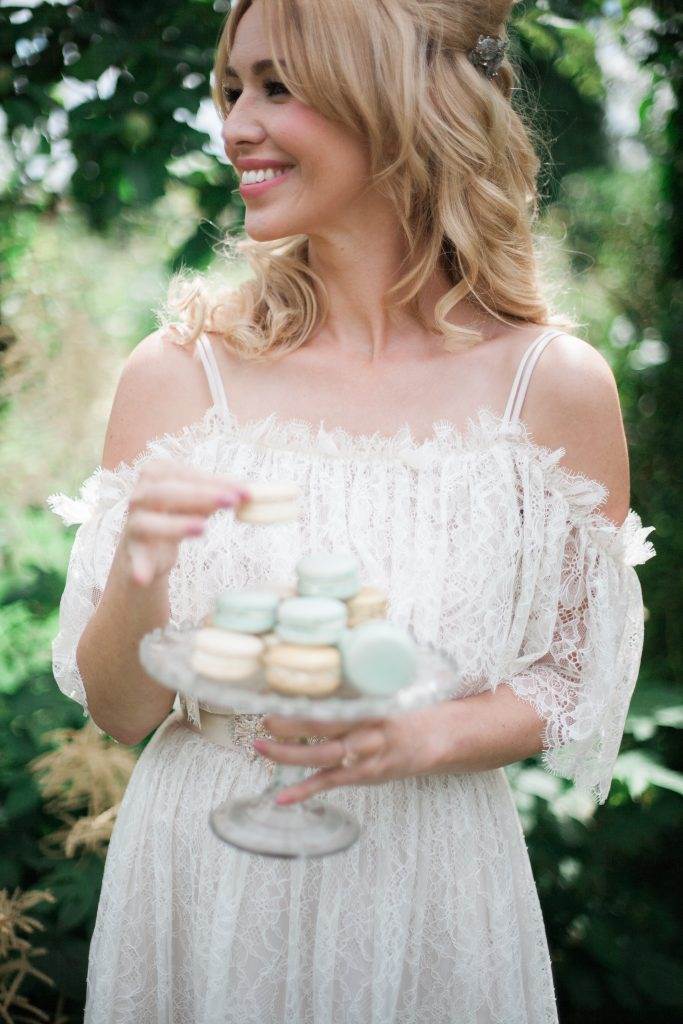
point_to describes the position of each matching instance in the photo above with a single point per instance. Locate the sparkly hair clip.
(488, 54)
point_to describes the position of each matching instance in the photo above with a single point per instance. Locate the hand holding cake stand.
(312, 827)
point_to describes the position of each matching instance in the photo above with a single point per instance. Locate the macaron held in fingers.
(269, 502)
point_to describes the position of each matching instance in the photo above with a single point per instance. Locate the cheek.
(326, 152)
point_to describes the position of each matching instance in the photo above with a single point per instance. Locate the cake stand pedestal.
(309, 828)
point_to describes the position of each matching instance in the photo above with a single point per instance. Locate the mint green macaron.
(311, 620)
(246, 611)
(328, 574)
(378, 657)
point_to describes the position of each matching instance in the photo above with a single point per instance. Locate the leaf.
(638, 770)
(653, 706)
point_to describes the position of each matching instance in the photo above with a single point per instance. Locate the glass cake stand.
(308, 828)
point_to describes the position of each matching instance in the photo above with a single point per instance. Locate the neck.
(356, 276)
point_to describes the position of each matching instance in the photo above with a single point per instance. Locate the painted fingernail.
(224, 500)
(260, 744)
(282, 798)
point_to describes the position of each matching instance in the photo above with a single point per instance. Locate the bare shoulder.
(162, 388)
(573, 402)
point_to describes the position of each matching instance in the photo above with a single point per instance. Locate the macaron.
(368, 603)
(313, 671)
(269, 502)
(378, 657)
(246, 611)
(220, 654)
(328, 574)
(311, 620)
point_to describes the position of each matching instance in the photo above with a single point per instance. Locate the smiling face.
(265, 122)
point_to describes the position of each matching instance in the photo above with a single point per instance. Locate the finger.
(360, 743)
(164, 468)
(326, 778)
(150, 526)
(143, 570)
(184, 496)
(280, 725)
(313, 755)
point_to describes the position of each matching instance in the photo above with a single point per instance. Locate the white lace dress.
(485, 545)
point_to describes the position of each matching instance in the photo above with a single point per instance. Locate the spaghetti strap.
(523, 376)
(208, 358)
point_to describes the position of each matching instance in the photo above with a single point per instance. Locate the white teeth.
(251, 177)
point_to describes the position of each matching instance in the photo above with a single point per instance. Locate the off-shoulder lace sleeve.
(100, 511)
(577, 635)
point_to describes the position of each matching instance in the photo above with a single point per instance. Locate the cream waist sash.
(229, 729)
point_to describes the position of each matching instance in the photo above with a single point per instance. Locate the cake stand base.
(309, 828)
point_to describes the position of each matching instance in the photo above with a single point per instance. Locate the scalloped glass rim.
(165, 655)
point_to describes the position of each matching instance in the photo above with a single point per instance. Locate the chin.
(270, 233)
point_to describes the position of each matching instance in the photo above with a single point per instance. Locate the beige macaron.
(368, 603)
(224, 655)
(311, 671)
(270, 502)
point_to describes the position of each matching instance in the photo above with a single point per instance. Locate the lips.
(254, 164)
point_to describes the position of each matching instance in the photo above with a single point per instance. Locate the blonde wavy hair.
(446, 146)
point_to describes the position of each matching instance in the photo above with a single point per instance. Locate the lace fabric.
(483, 541)
(487, 547)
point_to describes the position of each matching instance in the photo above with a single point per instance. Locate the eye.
(232, 95)
(276, 85)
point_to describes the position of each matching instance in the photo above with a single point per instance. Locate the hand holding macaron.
(171, 501)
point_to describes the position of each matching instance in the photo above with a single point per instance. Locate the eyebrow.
(256, 69)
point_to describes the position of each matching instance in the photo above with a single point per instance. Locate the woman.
(402, 309)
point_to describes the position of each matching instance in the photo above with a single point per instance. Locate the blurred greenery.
(110, 177)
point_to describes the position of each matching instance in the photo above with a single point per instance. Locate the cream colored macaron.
(297, 670)
(226, 656)
(368, 603)
(269, 502)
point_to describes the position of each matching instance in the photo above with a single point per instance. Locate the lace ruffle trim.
(105, 487)
(625, 543)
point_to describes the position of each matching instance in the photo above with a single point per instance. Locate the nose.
(239, 127)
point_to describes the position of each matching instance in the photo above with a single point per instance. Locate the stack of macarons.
(230, 643)
(311, 638)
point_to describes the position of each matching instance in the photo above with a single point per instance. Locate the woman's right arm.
(170, 501)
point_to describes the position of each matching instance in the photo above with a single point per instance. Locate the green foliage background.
(83, 262)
